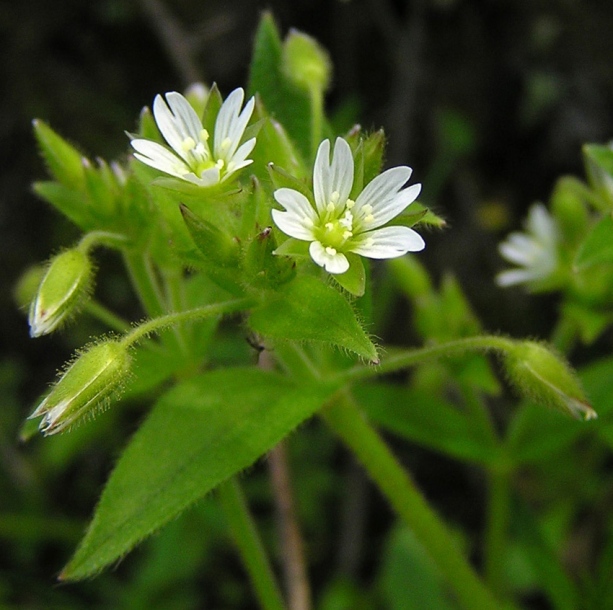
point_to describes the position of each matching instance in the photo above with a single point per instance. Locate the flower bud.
(568, 205)
(306, 62)
(545, 378)
(262, 266)
(27, 286)
(62, 290)
(87, 384)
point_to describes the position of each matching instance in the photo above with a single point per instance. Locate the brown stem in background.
(294, 565)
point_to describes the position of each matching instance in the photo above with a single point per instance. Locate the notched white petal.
(332, 261)
(388, 242)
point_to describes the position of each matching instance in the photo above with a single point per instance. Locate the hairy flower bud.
(306, 62)
(546, 378)
(62, 290)
(87, 384)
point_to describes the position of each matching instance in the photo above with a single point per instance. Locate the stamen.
(369, 218)
(367, 209)
(330, 207)
(204, 135)
(334, 197)
(330, 251)
(329, 226)
(188, 144)
(226, 143)
(220, 164)
(347, 234)
(350, 203)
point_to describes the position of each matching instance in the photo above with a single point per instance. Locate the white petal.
(519, 249)
(297, 221)
(540, 223)
(187, 119)
(173, 132)
(155, 155)
(341, 170)
(292, 225)
(390, 208)
(241, 154)
(209, 177)
(321, 176)
(388, 242)
(230, 124)
(383, 188)
(332, 263)
(514, 276)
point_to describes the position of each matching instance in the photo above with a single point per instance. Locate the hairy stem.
(345, 419)
(250, 546)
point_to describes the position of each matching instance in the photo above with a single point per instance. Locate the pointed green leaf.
(308, 310)
(199, 434)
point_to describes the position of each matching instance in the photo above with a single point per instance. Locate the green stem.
(106, 316)
(498, 515)
(144, 281)
(408, 358)
(199, 313)
(347, 422)
(173, 281)
(250, 546)
(564, 334)
(317, 112)
(96, 238)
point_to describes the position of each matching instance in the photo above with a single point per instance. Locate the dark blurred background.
(488, 100)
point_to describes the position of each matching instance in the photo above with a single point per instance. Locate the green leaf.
(599, 166)
(425, 419)
(199, 434)
(284, 100)
(598, 245)
(308, 310)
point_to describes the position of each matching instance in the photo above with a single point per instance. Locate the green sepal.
(215, 245)
(211, 110)
(63, 160)
(65, 286)
(68, 201)
(546, 378)
(197, 94)
(283, 179)
(309, 310)
(293, 247)
(597, 249)
(599, 167)
(275, 146)
(569, 206)
(147, 127)
(354, 279)
(100, 197)
(417, 213)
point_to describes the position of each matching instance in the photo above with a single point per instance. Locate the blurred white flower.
(337, 225)
(191, 156)
(534, 252)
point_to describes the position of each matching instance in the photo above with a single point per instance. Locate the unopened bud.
(545, 378)
(64, 287)
(87, 385)
(306, 62)
(262, 266)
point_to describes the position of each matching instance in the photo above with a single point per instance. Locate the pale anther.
(330, 207)
(329, 226)
(204, 135)
(347, 234)
(369, 218)
(350, 203)
(334, 197)
(331, 251)
(225, 144)
(188, 144)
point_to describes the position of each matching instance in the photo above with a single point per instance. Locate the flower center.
(337, 224)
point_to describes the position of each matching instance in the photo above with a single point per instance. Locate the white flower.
(192, 157)
(534, 252)
(337, 225)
